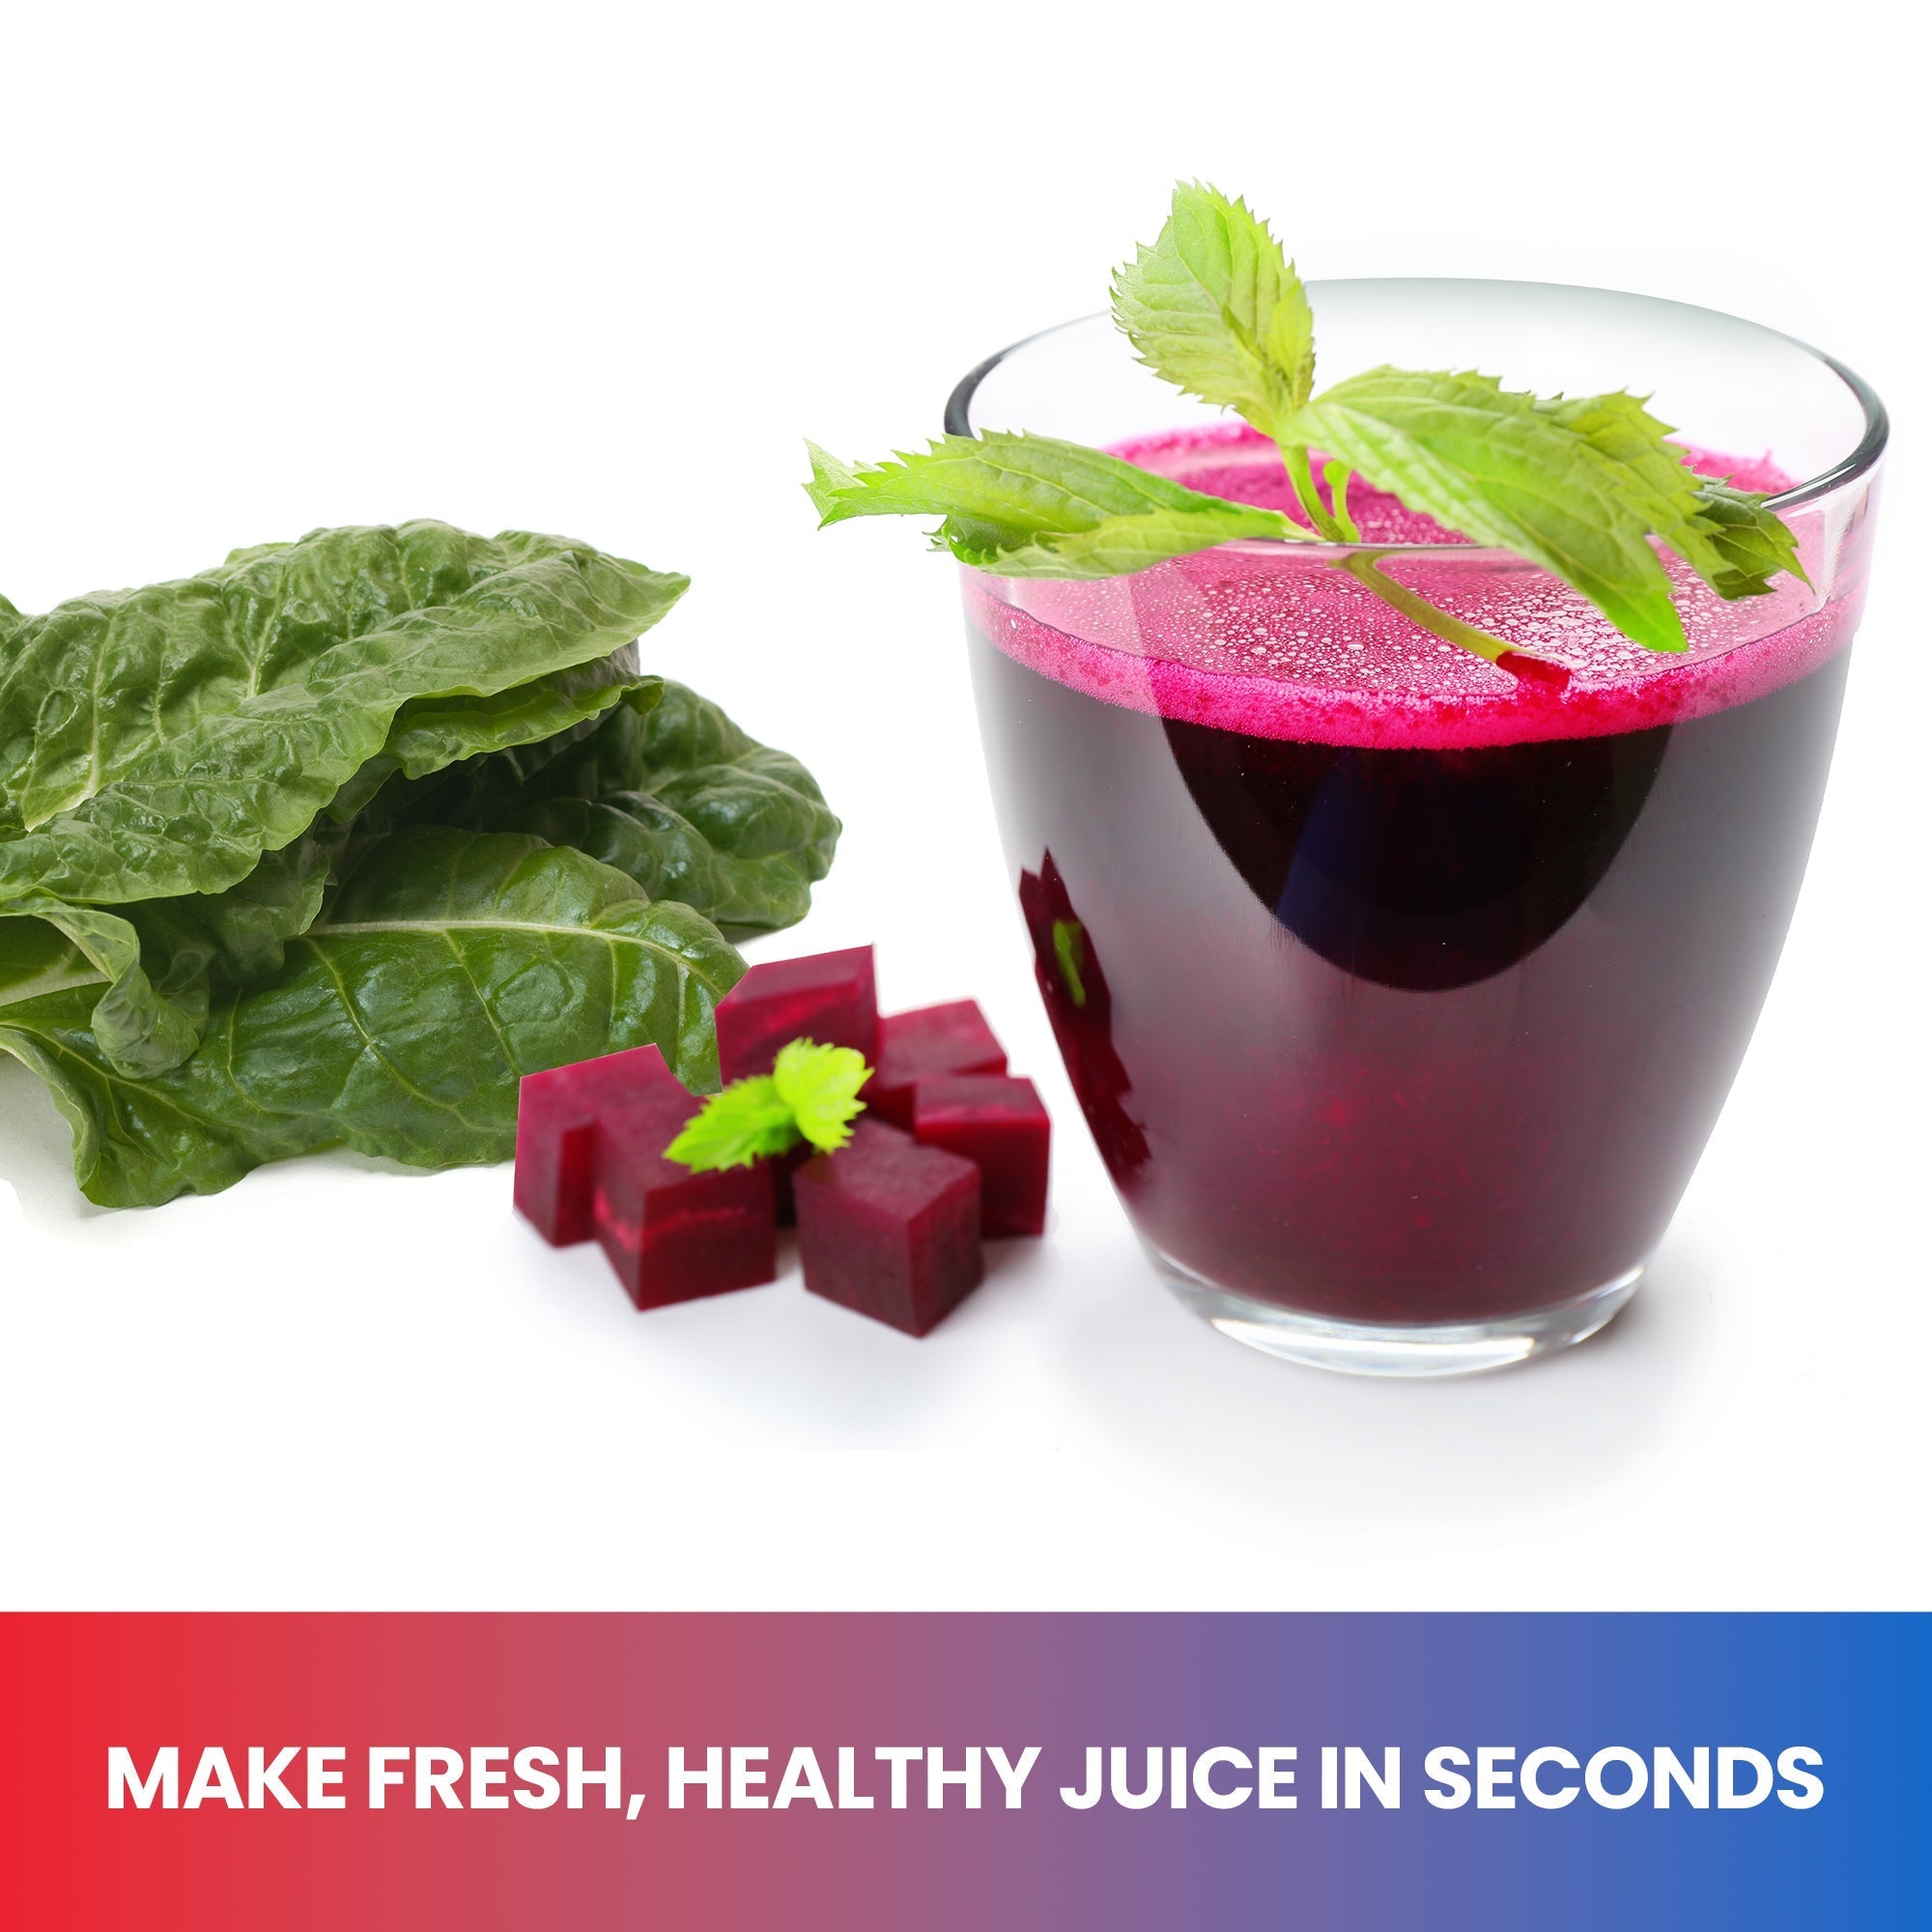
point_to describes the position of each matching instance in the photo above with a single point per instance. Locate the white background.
(598, 270)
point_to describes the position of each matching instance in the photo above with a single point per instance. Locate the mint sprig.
(1035, 506)
(812, 1094)
(1578, 485)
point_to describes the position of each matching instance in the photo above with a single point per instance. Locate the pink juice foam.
(1271, 639)
(1394, 988)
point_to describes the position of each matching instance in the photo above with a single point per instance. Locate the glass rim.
(1857, 463)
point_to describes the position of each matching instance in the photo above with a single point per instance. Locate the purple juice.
(1397, 987)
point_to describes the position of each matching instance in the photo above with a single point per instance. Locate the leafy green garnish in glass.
(1576, 484)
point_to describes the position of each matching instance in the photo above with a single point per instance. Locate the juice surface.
(1271, 640)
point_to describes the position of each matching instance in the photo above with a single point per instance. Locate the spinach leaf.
(446, 966)
(158, 741)
(668, 789)
(37, 959)
(271, 871)
(161, 747)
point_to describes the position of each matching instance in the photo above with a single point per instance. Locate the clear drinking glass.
(1400, 991)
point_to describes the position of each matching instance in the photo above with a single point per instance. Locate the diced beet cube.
(673, 1235)
(953, 1038)
(826, 997)
(1000, 1125)
(890, 1228)
(556, 1135)
(785, 1168)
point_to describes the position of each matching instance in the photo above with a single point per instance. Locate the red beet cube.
(953, 1038)
(828, 997)
(1000, 1125)
(673, 1235)
(556, 1135)
(890, 1228)
(785, 1168)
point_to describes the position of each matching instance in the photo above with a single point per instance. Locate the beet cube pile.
(950, 1151)
(590, 1143)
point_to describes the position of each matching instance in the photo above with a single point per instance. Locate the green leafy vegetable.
(812, 1094)
(448, 965)
(668, 789)
(1578, 485)
(287, 856)
(156, 744)
(159, 741)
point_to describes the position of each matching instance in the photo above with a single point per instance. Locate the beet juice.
(1401, 990)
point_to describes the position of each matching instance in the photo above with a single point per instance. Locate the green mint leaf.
(1495, 465)
(1033, 506)
(744, 1123)
(820, 1085)
(1752, 542)
(1215, 308)
(1728, 536)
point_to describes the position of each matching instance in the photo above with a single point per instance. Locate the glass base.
(1397, 1349)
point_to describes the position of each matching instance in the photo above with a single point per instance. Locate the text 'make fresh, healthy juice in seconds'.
(1398, 987)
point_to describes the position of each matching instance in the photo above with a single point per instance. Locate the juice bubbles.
(1401, 990)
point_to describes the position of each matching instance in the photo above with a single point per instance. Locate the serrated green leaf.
(1751, 542)
(1490, 464)
(1579, 486)
(1728, 536)
(812, 1094)
(745, 1123)
(448, 965)
(820, 1085)
(1035, 506)
(1214, 308)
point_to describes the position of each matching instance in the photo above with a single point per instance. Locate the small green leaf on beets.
(820, 1085)
(744, 1123)
(1215, 308)
(810, 1094)
(1033, 506)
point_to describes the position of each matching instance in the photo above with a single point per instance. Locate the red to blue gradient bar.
(963, 1771)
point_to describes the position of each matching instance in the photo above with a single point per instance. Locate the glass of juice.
(1401, 989)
